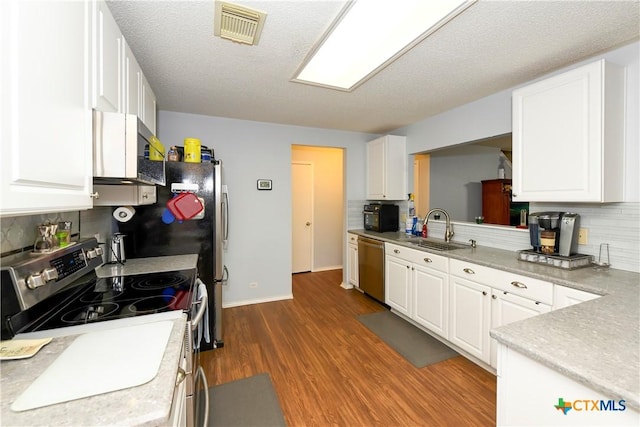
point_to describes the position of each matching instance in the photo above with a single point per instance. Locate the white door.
(301, 216)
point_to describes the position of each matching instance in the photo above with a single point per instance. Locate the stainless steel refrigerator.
(147, 235)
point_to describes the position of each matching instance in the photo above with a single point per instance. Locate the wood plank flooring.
(329, 369)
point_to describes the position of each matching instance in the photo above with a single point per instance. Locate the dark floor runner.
(249, 402)
(415, 345)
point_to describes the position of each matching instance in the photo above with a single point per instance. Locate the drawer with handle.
(418, 257)
(527, 287)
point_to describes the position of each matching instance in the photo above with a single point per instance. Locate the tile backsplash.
(617, 224)
(20, 232)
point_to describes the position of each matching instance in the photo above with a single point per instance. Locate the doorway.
(328, 208)
(302, 217)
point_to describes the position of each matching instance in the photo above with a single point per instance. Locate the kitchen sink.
(440, 246)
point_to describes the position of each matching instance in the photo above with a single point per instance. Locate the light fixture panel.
(369, 35)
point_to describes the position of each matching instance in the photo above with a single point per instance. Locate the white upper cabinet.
(119, 83)
(148, 98)
(132, 83)
(568, 136)
(387, 168)
(46, 104)
(109, 47)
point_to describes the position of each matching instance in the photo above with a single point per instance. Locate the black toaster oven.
(381, 217)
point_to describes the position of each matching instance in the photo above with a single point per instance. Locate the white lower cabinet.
(352, 259)
(417, 285)
(508, 308)
(398, 284)
(483, 298)
(431, 298)
(565, 296)
(470, 308)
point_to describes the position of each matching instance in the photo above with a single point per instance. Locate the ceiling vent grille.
(238, 23)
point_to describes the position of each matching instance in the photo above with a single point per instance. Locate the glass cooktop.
(92, 299)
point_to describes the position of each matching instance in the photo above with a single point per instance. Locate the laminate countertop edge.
(596, 343)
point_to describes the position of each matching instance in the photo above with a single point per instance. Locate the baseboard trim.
(335, 267)
(344, 285)
(256, 301)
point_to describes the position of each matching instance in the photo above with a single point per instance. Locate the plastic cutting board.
(99, 362)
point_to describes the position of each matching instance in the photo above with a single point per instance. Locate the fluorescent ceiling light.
(370, 34)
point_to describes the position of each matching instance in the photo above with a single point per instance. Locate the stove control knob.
(36, 280)
(49, 274)
(91, 254)
(99, 251)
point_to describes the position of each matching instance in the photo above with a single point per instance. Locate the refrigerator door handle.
(225, 215)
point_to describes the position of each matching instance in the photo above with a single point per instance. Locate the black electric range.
(74, 295)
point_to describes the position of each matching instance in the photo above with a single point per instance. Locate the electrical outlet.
(253, 285)
(583, 236)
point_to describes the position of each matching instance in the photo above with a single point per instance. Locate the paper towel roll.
(124, 213)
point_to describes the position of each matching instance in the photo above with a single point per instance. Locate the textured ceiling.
(492, 46)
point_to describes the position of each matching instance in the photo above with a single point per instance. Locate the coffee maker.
(554, 233)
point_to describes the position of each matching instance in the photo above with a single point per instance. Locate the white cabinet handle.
(396, 251)
(468, 271)
(484, 292)
(428, 260)
(494, 296)
(519, 285)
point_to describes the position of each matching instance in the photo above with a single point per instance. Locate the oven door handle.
(200, 373)
(204, 302)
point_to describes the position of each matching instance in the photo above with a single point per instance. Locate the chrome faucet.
(448, 231)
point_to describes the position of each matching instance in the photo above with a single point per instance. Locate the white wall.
(260, 229)
(328, 203)
(617, 224)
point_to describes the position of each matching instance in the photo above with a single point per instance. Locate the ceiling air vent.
(238, 23)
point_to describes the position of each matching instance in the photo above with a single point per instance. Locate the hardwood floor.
(329, 369)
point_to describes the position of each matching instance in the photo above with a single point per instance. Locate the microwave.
(381, 218)
(118, 151)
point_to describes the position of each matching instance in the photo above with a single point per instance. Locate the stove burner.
(152, 304)
(89, 313)
(160, 281)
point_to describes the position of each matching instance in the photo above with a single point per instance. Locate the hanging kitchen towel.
(203, 327)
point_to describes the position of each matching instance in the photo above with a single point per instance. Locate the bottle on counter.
(412, 206)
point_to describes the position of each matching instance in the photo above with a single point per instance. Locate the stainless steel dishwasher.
(371, 267)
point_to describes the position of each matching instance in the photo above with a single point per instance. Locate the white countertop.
(145, 405)
(148, 265)
(596, 342)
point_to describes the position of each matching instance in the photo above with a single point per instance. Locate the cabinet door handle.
(519, 285)
(408, 267)
(468, 271)
(95, 195)
(484, 292)
(537, 302)
(494, 296)
(428, 260)
(396, 251)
